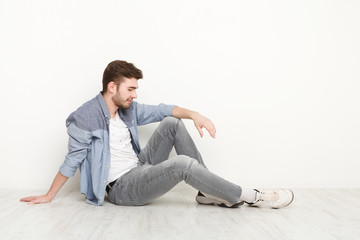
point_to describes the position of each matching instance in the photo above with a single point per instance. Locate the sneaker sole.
(207, 201)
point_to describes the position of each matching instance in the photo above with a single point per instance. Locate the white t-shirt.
(122, 156)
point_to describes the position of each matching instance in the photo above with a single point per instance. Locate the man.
(104, 143)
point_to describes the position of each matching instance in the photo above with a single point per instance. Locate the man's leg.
(148, 182)
(170, 133)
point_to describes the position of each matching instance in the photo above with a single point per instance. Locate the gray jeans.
(156, 174)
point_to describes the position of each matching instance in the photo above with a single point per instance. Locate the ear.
(111, 87)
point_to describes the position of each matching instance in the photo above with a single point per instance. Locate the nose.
(134, 94)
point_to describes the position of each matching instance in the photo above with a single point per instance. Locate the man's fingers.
(36, 201)
(211, 129)
(212, 134)
(207, 124)
(200, 131)
(27, 199)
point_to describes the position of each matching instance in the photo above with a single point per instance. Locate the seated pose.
(104, 143)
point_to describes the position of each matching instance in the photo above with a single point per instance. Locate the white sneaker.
(207, 199)
(273, 198)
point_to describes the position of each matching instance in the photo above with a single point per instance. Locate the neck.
(110, 104)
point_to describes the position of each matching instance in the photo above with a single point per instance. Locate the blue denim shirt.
(89, 147)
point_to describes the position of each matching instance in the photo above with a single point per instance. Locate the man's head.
(117, 70)
(120, 82)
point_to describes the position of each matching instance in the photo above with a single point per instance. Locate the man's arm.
(200, 121)
(58, 182)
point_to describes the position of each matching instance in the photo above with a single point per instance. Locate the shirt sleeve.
(152, 113)
(79, 145)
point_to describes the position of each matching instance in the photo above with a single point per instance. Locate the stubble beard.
(119, 102)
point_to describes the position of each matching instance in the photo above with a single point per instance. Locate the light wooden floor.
(315, 214)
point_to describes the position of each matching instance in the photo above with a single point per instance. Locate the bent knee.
(171, 122)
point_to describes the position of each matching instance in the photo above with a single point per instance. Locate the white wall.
(280, 80)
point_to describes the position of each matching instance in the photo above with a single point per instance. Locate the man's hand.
(58, 182)
(201, 121)
(36, 199)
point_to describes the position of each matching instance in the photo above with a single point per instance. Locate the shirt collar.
(126, 117)
(103, 105)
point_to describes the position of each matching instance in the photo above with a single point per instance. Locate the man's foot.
(207, 199)
(273, 198)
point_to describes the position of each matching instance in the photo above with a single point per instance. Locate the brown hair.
(116, 70)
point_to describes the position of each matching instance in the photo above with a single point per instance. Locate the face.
(125, 93)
